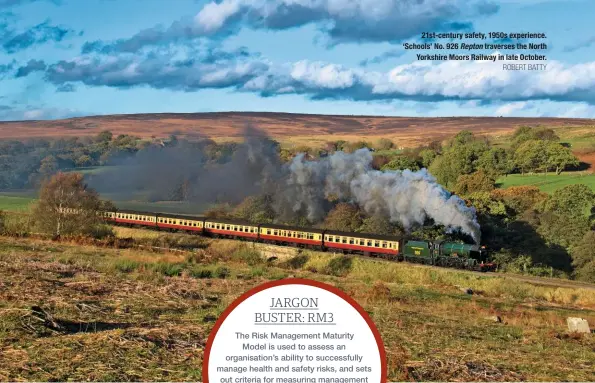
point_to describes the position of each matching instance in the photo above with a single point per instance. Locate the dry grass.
(127, 314)
(311, 130)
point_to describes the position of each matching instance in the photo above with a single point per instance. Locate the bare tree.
(67, 206)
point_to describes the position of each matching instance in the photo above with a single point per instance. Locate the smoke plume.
(185, 171)
(407, 197)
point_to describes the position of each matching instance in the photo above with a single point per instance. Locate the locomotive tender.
(438, 253)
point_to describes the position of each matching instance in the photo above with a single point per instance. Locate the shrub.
(384, 144)
(126, 265)
(200, 273)
(168, 269)
(251, 256)
(102, 231)
(19, 225)
(296, 262)
(339, 266)
(257, 272)
(222, 272)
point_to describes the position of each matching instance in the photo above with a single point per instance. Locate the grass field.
(137, 315)
(20, 201)
(550, 182)
(10, 203)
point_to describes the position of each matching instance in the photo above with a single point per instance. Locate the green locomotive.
(447, 254)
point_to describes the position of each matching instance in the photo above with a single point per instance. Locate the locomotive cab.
(483, 254)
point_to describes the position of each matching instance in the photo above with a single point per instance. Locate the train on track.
(437, 253)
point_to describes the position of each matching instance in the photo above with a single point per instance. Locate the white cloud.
(316, 74)
(546, 109)
(36, 113)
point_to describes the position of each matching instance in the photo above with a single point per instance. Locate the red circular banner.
(294, 281)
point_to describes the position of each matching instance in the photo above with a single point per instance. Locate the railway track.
(543, 281)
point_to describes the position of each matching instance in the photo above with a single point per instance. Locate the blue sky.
(65, 58)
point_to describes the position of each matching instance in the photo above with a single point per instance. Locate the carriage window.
(369, 243)
(384, 245)
(343, 239)
(351, 241)
(268, 231)
(376, 244)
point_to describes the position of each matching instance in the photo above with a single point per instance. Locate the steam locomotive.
(438, 253)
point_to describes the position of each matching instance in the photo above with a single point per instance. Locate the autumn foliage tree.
(583, 257)
(257, 209)
(67, 206)
(343, 217)
(519, 198)
(479, 181)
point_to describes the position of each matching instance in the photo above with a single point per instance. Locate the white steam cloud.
(407, 197)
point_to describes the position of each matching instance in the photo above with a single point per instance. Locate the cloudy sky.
(64, 58)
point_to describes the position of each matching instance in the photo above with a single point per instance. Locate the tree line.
(26, 164)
